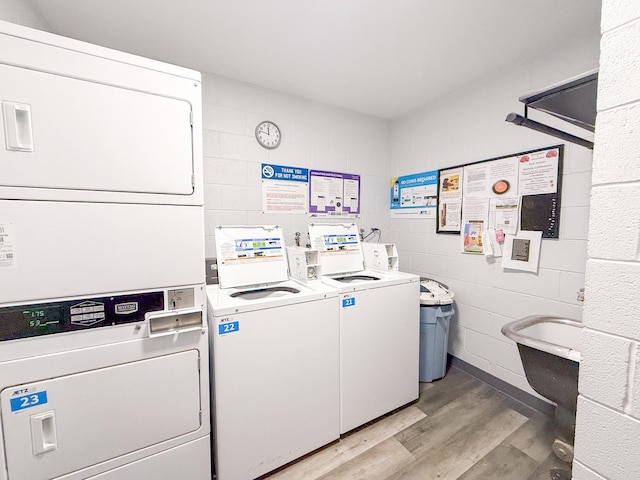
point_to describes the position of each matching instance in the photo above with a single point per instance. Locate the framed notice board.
(509, 193)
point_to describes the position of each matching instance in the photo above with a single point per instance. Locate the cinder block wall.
(469, 125)
(608, 423)
(314, 135)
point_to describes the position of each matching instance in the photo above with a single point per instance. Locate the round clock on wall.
(268, 134)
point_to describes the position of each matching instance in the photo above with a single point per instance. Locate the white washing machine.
(379, 327)
(275, 357)
(103, 339)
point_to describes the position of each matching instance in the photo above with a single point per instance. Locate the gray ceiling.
(378, 57)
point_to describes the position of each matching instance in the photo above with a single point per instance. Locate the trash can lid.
(434, 293)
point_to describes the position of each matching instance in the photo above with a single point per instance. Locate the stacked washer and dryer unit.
(103, 338)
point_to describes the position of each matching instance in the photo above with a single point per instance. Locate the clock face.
(268, 134)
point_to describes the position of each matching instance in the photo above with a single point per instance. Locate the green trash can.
(436, 308)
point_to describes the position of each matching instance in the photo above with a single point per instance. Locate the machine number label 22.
(28, 401)
(348, 302)
(229, 327)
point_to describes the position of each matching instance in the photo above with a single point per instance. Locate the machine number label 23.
(229, 327)
(28, 401)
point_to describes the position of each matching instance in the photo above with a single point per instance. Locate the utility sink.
(550, 351)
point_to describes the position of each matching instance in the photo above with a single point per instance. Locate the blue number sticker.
(28, 401)
(228, 327)
(348, 302)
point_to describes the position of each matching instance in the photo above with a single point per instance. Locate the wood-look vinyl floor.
(460, 428)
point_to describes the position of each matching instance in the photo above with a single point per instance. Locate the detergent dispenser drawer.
(64, 424)
(74, 134)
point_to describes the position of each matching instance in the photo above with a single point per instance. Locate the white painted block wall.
(608, 422)
(468, 125)
(314, 136)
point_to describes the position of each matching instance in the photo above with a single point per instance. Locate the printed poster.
(284, 189)
(414, 196)
(333, 194)
(450, 200)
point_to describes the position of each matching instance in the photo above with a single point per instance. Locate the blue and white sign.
(27, 401)
(228, 327)
(280, 172)
(414, 196)
(348, 302)
(284, 189)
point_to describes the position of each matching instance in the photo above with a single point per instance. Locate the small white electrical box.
(303, 264)
(380, 256)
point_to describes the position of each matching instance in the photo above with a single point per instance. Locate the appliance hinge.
(193, 181)
(191, 118)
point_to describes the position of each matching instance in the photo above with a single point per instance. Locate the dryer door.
(67, 133)
(68, 423)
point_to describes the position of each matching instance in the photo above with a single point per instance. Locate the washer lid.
(338, 246)
(250, 255)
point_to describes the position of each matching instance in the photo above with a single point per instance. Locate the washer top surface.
(223, 301)
(342, 262)
(367, 279)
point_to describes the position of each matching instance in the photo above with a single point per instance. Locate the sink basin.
(550, 351)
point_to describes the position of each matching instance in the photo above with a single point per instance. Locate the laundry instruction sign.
(284, 189)
(414, 196)
(334, 193)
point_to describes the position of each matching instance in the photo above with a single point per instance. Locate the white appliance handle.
(43, 432)
(17, 126)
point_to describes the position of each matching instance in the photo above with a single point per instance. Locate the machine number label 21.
(228, 327)
(348, 302)
(28, 401)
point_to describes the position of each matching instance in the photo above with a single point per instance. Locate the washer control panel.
(32, 320)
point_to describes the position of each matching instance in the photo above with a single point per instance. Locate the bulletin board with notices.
(503, 195)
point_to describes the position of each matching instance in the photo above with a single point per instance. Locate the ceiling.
(379, 57)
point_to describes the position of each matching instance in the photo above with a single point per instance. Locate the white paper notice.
(284, 197)
(475, 209)
(7, 245)
(491, 238)
(538, 172)
(476, 179)
(503, 214)
(503, 176)
(450, 200)
(351, 193)
(522, 251)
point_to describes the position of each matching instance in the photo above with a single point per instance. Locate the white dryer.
(379, 327)
(90, 389)
(274, 357)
